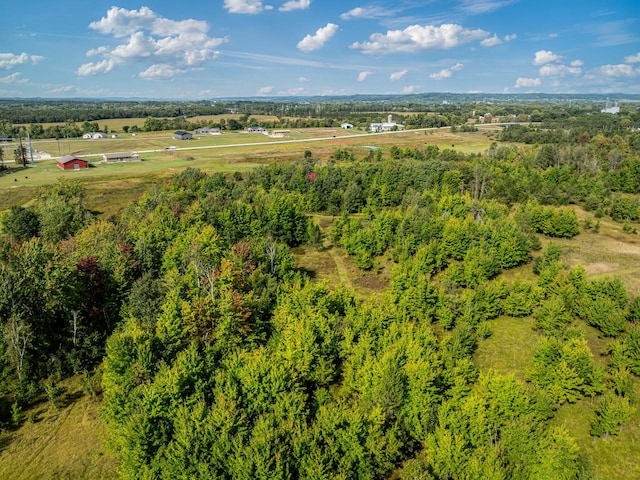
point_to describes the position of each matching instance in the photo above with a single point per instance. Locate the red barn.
(71, 162)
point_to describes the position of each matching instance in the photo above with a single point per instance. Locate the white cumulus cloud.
(620, 70)
(250, 7)
(491, 41)
(398, 75)
(546, 56)
(322, 35)
(362, 76)
(295, 5)
(523, 82)
(633, 58)
(161, 71)
(559, 70)
(94, 68)
(410, 89)
(366, 12)
(264, 91)
(11, 60)
(121, 22)
(13, 78)
(420, 37)
(447, 72)
(495, 40)
(168, 47)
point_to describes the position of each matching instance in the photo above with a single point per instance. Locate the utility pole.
(30, 149)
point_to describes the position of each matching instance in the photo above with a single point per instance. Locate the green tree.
(21, 223)
(610, 414)
(62, 210)
(20, 155)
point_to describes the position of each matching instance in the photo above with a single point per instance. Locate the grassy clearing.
(509, 348)
(64, 442)
(611, 252)
(331, 263)
(611, 457)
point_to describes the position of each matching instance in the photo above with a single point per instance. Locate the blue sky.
(223, 48)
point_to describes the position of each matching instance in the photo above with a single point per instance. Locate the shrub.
(610, 414)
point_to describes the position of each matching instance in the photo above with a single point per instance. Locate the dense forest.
(220, 358)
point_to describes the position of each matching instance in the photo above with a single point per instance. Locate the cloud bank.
(172, 47)
(420, 37)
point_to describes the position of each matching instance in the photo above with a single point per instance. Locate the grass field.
(112, 186)
(115, 125)
(64, 442)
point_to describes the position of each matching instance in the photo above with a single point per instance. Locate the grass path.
(343, 272)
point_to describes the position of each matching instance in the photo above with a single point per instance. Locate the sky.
(201, 50)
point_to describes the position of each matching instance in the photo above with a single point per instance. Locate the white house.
(387, 126)
(94, 135)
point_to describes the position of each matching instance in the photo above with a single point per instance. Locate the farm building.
(5, 138)
(609, 108)
(346, 125)
(120, 157)
(255, 129)
(206, 131)
(71, 162)
(94, 135)
(180, 135)
(279, 133)
(387, 126)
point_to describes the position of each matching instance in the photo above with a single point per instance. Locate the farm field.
(229, 152)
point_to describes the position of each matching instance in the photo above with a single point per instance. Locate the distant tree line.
(550, 118)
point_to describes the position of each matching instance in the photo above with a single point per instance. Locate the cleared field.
(229, 152)
(611, 252)
(63, 442)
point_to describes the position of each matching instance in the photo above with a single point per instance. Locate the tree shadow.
(312, 274)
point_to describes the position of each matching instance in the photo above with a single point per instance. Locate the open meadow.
(109, 187)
